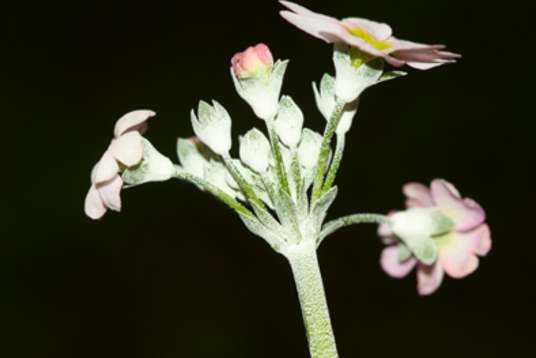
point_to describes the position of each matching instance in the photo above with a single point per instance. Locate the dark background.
(176, 274)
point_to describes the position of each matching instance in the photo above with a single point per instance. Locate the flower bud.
(289, 122)
(258, 80)
(213, 127)
(325, 101)
(255, 150)
(255, 61)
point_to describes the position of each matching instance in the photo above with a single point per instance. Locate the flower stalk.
(276, 150)
(324, 149)
(336, 162)
(304, 264)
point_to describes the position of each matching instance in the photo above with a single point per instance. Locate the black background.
(176, 274)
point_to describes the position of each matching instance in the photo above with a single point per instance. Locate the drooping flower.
(457, 248)
(371, 37)
(125, 150)
(258, 79)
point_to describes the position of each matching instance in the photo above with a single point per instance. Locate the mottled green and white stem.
(364, 218)
(276, 151)
(179, 173)
(304, 263)
(324, 149)
(335, 163)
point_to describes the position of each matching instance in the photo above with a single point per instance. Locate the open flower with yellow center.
(372, 38)
(457, 248)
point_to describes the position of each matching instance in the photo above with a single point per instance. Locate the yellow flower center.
(358, 57)
(363, 34)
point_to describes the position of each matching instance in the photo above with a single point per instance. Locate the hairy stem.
(324, 149)
(364, 218)
(304, 263)
(179, 173)
(335, 163)
(276, 150)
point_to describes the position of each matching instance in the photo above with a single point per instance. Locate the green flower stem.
(179, 173)
(304, 263)
(267, 186)
(334, 225)
(335, 163)
(296, 173)
(324, 149)
(280, 165)
(241, 181)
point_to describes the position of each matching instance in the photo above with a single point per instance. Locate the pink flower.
(254, 61)
(458, 248)
(125, 150)
(371, 37)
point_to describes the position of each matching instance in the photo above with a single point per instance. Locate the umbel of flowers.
(282, 183)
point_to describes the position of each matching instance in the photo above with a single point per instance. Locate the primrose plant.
(281, 186)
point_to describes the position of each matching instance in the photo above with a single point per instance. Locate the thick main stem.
(304, 263)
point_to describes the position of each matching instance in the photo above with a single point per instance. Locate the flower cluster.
(457, 234)
(273, 171)
(269, 184)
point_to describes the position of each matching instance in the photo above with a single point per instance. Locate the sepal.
(350, 81)
(255, 150)
(153, 167)
(416, 227)
(326, 99)
(213, 127)
(262, 95)
(289, 122)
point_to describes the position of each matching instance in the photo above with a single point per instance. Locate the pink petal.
(105, 169)
(110, 193)
(324, 28)
(429, 278)
(457, 252)
(300, 10)
(418, 195)
(421, 56)
(483, 244)
(387, 236)
(127, 148)
(134, 120)
(424, 66)
(93, 205)
(466, 213)
(391, 264)
(380, 31)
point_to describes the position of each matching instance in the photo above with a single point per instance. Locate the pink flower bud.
(256, 60)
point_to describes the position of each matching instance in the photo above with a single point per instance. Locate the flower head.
(457, 248)
(125, 150)
(370, 37)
